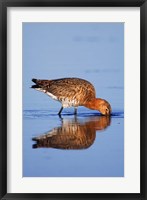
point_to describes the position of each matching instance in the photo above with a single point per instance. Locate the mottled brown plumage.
(73, 92)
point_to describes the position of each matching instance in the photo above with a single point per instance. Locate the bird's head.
(99, 104)
(104, 107)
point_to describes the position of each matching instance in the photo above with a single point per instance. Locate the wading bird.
(73, 92)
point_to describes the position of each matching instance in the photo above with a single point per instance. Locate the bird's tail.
(40, 83)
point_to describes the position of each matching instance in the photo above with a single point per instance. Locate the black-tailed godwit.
(73, 92)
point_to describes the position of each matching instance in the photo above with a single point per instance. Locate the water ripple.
(35, 114)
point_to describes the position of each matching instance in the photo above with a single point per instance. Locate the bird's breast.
(69, 102)
(66, 101)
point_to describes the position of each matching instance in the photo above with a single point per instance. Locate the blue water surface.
(103, 158)
(88, 146)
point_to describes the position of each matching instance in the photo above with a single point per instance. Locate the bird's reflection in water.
(73, 133)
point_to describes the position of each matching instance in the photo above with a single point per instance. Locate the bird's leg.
(59, 113)
(75, 112)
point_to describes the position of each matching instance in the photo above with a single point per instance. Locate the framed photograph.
(73, 99)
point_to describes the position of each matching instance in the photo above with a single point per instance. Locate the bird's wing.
(71, 88)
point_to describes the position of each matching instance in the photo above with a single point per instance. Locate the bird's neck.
(93, 104)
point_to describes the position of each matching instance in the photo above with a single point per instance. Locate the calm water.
(89, 145)
(86, 146)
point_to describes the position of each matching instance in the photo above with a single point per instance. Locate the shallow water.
(88, 145)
